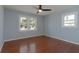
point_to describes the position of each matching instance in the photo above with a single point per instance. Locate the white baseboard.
(22, 37)
(44, 35)
(62, 39)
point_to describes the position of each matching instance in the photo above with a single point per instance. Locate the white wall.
(1, 26)
(11, 25)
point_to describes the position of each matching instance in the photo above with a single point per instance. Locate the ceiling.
(31, 9)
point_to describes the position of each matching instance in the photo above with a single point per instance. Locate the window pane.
(69, 24)
(32, 24)
(23, 23)
(71, 17)
(69, 20)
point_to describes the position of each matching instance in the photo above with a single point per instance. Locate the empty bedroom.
(39, 28)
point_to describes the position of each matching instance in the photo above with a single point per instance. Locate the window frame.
(70, 13)
(28, 18)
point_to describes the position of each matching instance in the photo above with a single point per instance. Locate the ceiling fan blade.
(46, 9)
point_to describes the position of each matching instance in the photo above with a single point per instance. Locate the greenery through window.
(28, 24)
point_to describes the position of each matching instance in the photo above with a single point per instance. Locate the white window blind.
(69, 20)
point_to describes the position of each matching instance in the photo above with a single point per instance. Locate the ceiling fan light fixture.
(40, 10)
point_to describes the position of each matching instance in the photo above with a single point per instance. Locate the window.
(23, 23)
(27, 23)
(69, 20)
(32, 24)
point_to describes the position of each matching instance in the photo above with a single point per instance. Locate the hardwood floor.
(40, 44)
